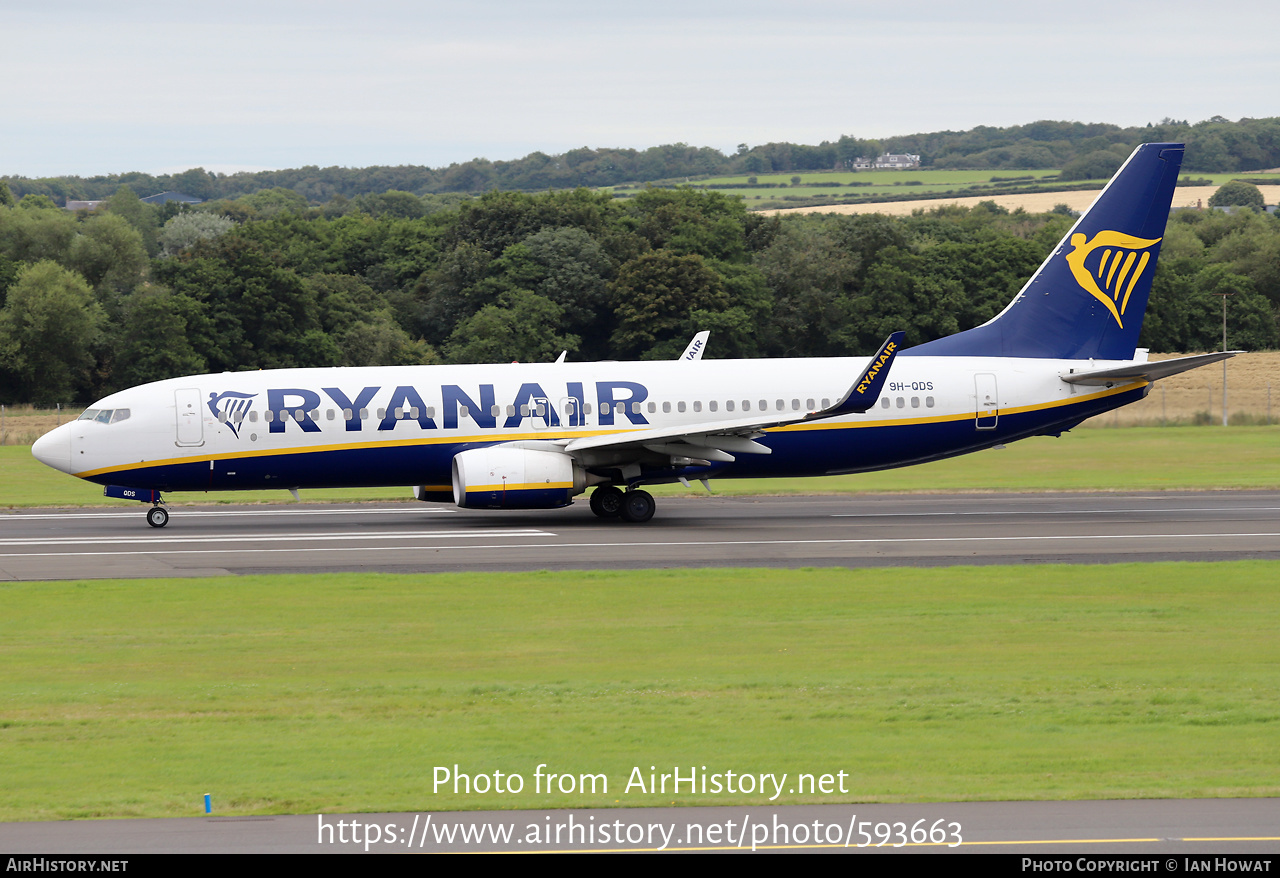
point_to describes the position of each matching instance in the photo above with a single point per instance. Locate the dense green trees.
(512, 276)
(1237, 193)
(1214, 145)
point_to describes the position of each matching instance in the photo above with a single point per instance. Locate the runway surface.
(1167, 830)
(854, 531)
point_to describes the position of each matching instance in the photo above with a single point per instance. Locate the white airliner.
(533, 436)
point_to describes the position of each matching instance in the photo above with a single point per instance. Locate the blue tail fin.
(1088, 298)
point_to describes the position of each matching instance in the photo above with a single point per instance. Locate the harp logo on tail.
(1109, 267)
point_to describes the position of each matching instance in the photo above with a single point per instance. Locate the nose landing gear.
(157, 516)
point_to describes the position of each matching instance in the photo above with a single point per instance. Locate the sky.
(108, 87)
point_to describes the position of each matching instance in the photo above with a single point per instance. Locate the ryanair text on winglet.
(871, 373)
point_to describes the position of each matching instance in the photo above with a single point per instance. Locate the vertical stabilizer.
(1088, 298)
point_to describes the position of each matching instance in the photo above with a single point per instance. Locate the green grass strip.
(340, 693)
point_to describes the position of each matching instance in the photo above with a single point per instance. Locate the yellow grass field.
(1253, 390)
(1032, 202)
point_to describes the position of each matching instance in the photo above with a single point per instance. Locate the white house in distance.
(888, 160)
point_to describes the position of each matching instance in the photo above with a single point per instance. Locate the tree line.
(1082, 151)
(93, 302)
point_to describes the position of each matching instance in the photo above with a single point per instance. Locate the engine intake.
(501, 477)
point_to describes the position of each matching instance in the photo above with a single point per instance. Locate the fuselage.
(301, 428)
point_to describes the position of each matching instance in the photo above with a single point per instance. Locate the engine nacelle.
(502, 477)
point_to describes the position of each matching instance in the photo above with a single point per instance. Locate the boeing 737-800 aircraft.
(533, 436)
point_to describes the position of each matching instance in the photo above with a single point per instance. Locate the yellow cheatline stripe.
(962, 416)
(533, 486)
(580, 434)
(345, 446)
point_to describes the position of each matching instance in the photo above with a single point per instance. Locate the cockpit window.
(105, 416)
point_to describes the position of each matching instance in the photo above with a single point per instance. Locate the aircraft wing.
(718, 440)
(1146, 371)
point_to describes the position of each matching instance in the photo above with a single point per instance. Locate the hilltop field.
(1030, 201)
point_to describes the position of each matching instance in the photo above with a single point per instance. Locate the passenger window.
(902, 403)
(680, 405)
(712, 405)
(253, 417)
(382, 414)
(928, 401)
(635, 408)
(653, 407)
(746, 405)
(781, 405)
(364, 414)
(346, 414)
(604, 408)
(586, 408)
(809, 403)
(915, 402)
(826, 403)
(884, 402)
(413, 413)
(666, 408)
(795, 405)
(328, 414)
(697, 405)
(463, 411)
(431, 412)
(764, 405)
(728, 406)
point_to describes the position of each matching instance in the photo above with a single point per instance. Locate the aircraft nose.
(53, 449)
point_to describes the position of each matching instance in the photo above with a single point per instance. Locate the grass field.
(1136, 458)
(853, 192)
(341, 693)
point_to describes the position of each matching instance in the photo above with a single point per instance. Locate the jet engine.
(507, 477)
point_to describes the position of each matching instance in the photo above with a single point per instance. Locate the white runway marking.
(672, 544)
(276, 538)
(180, 512)
(1057, 511)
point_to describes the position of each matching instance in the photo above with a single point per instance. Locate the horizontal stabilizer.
(1146, 371)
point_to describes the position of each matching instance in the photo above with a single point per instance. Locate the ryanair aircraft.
(534, 436)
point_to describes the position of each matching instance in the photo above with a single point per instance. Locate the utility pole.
(1224, 350)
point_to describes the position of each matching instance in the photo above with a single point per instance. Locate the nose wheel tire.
(637, 506)
(157, 516)
(606, 501)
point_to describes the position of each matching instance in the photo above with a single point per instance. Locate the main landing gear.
(633, 506)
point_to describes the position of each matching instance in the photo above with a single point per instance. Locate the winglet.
(866, 390)
(697, 345)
